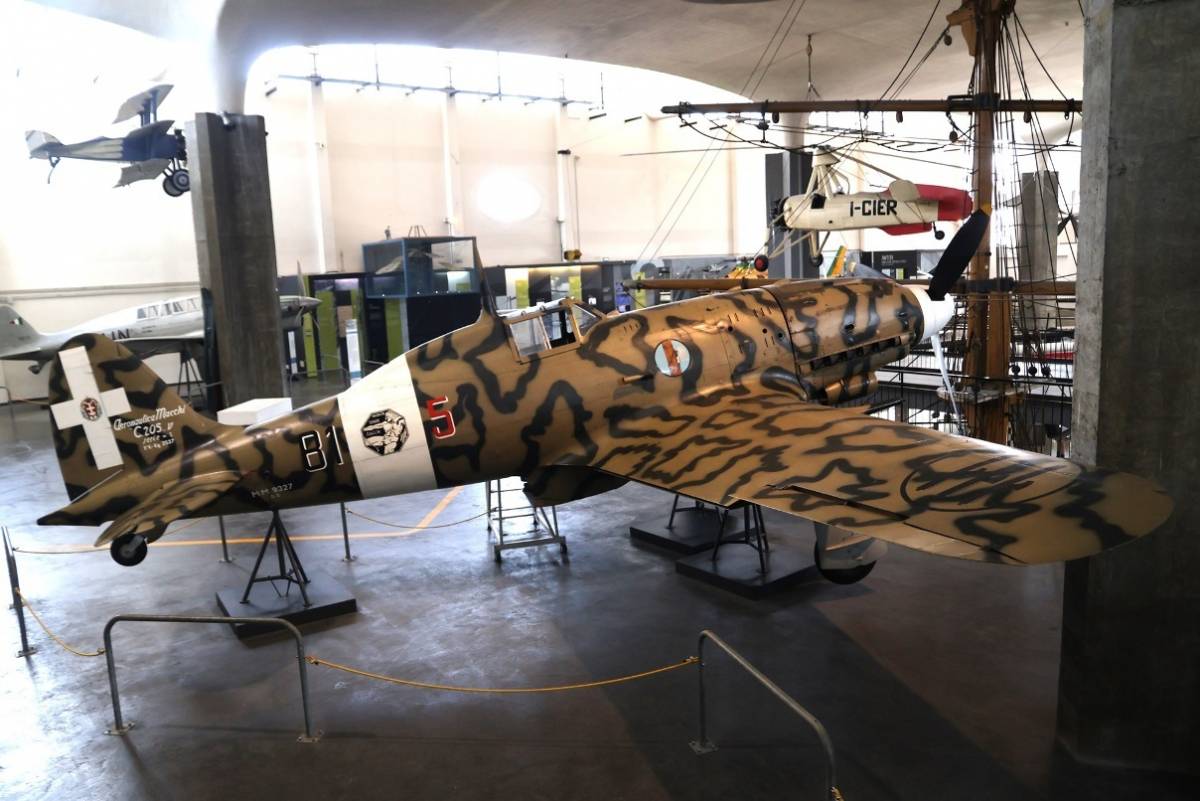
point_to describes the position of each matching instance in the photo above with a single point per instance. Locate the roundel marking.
(90, 409)
(672, 357)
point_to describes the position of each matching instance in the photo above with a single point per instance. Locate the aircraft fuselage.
(507, 396)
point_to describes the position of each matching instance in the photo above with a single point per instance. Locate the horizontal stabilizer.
(169, 503)
(39, 143)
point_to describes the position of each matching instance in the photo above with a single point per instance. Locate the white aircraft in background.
(144, 329)
(902, 208)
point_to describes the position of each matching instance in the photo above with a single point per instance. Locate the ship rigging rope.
(424, 685)
(51, 634)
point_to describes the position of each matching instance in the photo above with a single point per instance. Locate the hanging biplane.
(150, 150)
(902, 208)
(726, 398)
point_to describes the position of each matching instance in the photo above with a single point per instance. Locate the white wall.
(384, 148)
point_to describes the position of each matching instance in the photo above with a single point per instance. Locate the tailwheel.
(128, 549)
(842, 575)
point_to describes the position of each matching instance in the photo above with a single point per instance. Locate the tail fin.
(110, 412)
(39, 143)
(17, 336)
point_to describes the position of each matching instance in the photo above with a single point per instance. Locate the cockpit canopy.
(550, 326)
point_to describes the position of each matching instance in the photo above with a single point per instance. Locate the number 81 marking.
(313, 449)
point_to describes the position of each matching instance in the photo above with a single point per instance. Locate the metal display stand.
(689, 527)
(189, 376)
(319, 597)
(121, 726)
(225, 557)
(286, 554)
(753, 535)
(756, 571)
(545, 525)
(14, 583)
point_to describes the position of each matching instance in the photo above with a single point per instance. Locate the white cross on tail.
(90, 408)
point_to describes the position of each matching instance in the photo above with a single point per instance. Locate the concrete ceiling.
(858, 44)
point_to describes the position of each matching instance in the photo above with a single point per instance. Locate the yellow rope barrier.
(49, 633)
(424, 685)
(418, 526)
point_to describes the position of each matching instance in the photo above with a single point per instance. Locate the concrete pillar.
(1129, 686)
(1037, 249)
(322, 192)
(235, 245)
(451, 166)
(786, 175)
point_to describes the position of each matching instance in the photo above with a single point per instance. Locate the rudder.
(17, 336)
(109, 412)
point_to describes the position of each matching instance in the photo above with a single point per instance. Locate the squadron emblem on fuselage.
(385, 432)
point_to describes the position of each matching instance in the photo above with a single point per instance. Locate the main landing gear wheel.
(128, 549)
(843, 575)
(177, 182)
(939, 234)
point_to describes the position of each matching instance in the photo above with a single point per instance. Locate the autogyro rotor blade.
(957, 255)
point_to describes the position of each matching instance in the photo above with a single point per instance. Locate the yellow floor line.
(440, 507)
(369, 535)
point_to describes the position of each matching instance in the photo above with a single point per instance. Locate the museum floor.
(936, 678)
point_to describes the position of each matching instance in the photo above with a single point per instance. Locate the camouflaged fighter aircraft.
(722, 398)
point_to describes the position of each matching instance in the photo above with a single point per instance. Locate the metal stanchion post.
(224, 544)
(345, 534)
(18, 606)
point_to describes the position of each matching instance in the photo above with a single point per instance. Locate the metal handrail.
(119, 725)
(704, 745)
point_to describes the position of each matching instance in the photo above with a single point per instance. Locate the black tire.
(846, 575)
(169, 187)
(938, 234)
(128, 549)
(181, 180)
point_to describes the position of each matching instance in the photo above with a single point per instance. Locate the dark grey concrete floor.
(936, 678)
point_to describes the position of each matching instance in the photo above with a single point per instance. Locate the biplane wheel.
(128, 549)
(180, 182)
(938, 234)
(819, 259)
(843, 575)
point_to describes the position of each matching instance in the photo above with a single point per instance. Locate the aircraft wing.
(913, 486)
(142, 171)
(153, 96)
(169, 503)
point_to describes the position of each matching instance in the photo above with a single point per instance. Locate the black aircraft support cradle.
(319, 597)
(754, 535)
(290, 569)
(688, 529)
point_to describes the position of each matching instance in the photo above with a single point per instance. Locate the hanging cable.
(916, 44)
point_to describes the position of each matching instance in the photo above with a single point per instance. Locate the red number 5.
(442, 419)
